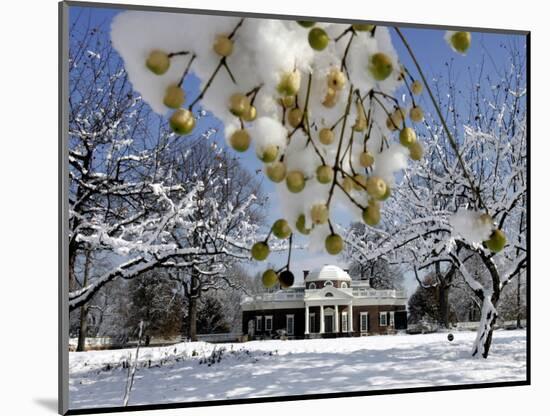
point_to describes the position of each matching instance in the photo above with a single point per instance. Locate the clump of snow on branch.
(470, 226)
(267, 131)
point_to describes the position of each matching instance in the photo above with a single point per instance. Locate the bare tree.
(490, 175)
(127, 192)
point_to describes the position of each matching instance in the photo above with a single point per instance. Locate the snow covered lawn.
(282, 368)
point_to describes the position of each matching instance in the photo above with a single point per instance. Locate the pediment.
(332, 292)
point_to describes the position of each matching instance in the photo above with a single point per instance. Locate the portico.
(332, 305)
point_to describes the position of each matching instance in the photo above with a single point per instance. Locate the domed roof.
(328, 272)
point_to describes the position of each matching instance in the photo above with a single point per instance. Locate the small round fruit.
(397, 117)
(269, 154)
(324, 174)
(182, 121)
(289, 85)
(460, 41)
(336, 79)
(260, 251)
(334, 244)
(158, 62)
(326, 136)
(386, 195)
(485, 219)
(416, 151)
(496, 242)
(301, 225)
(390, 124)
(362, 27)
(359, 182)
(417, 87)
(276, 171)
(281, 229)
(348, 184)
(305, 23)
(380, 66)
(250, 114)
(174, 97)
(376, 187)
(331, 98)
(239, 104)
(288, 101)
(361, 119)
(295, 181)
(416, 114)
(223, 46)
(240, 140)
(295, 117)
(319, 214)
(286, 279)
(318, 39)
(269, 278)
(407, 137)
(371, 214)
(360, 124)
(366, 159)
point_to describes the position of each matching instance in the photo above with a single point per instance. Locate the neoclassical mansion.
(329, 303)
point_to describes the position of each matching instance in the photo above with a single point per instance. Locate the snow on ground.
(282, 368)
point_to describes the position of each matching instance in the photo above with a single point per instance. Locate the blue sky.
(435, 56)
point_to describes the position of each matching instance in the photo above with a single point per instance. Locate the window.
(392, 318)
(290, 324)
(364, 321)
(269, 323)
(312, 285)
(258, 323)
(344, 285)
(344, 322)
(312, 322)
(329, 295)
(383, 318)
(329, 283)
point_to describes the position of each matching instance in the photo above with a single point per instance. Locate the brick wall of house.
(279, 319)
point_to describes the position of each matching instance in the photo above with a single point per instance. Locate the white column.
(336, 319)
(322, 328)
(307, 320)
(350, 319)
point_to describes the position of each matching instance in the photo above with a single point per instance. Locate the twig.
(130, 381)
(452, 141)
(337, 158)
(186, 70)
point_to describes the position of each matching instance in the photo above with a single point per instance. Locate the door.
(329, 323)
(400, 319)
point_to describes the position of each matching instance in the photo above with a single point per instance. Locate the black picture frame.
(63, 213)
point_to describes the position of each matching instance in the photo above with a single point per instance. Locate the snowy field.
(281, 368)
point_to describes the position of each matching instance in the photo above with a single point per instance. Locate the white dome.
(328, 272)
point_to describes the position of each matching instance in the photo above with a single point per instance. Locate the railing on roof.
(299, 295)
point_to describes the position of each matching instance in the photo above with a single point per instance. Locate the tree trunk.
(192, 317)
(72, 261)
(83, 332)
(443, 288)
(443, 300)
(484, 337)
(194, 290)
